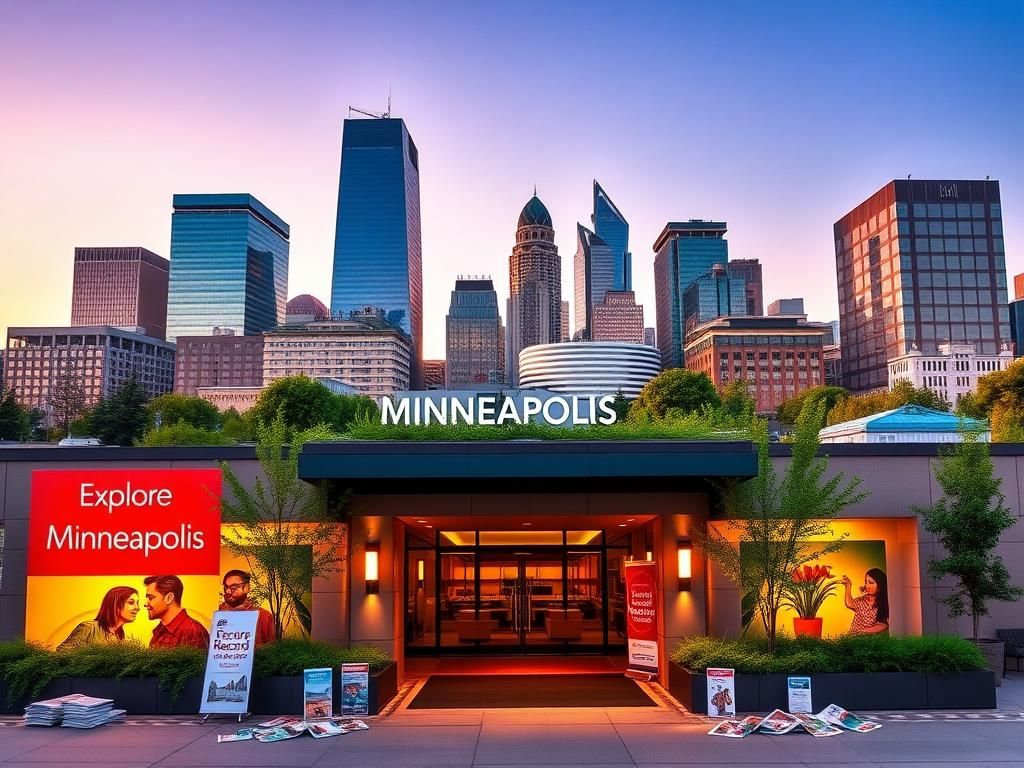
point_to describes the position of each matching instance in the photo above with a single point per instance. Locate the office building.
(920, 262)
(589, 368)
(370, 355)
(786, 307)
(377, 250)
(1017, 316)
(565, 321)
(619, 318)
(123, 287)
(714, 294)
(951, 373)
(534, 314)
(684, 251)
(749, 271)
(305, 308)
(650, 337)
(593, 277)
(833, 357)
(613, 229)
(229, 266)
(100, 358)
(219, 360)
(475, 336)
(778, 357)
(433, 374)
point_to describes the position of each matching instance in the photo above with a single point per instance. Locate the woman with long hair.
(871, 609)
(119, 606)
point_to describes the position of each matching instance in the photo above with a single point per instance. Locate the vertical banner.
(355, 689)
(318, 693)
(642, 618)
(721, 692)
(229, 663)
(799, 692)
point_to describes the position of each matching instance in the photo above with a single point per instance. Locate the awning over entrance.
(526, 465)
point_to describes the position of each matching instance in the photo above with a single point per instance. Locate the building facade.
(474, 336)
(619, 318)
(613, 229)
(1017, 316)
(950, 374)
(920, 262)
(219, 360)
(100, 358)
(833, 357)
(787, 307)
(229, 266)
(749, 271)
(378, 257)
(372, 356)
(650, 336)
(716, 293)
(123, 287)
(589, 367)
(434, 372)
(593, 276)
(534, 314)
(565, 321)
(778, 357)
(683, 252)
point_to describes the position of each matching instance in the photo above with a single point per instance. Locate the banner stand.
(229, 664)
(642, 619)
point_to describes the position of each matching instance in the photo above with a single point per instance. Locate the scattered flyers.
(324, 728)
(778, 722)
(242, 734)
(816, 727)
(281, 733)
(836, 715)
(348, 726)
(736, 729)
(279, 721)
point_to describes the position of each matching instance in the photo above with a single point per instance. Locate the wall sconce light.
(420, 569)
(685, 554)
(650, 555)
(372, 567)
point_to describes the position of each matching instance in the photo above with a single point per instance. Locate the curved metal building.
(589, 368)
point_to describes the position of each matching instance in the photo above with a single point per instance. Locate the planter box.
(143, 695)
(850, 690)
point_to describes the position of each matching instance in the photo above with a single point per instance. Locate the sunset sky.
(776, 117)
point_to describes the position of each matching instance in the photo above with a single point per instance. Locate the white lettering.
(604, 406)
(389, 414)
(115, 498)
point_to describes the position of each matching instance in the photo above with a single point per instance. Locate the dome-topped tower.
(535, 213)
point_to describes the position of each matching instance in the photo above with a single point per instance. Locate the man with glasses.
(236, 598)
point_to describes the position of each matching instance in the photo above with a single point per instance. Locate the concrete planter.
(851, 690)
(995, 656)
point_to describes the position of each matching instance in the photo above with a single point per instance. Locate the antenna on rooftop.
(370, 113)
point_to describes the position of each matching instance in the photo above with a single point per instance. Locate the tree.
(1000, 396)
(121, 419)
(66, 399)
(904, 393)
(789, 410)
(14, 420)
(290, 532)
(676, 389)
(183, 433)
(780, 518)
(737, 401)
(174, 407)
(237, 426)
(968, 522)
(305, 403)
(621, 406)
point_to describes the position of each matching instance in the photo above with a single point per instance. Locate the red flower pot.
(807, 627)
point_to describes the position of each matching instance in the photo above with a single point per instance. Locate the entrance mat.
(504, 691)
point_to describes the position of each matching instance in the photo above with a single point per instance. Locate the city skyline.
(784, 152)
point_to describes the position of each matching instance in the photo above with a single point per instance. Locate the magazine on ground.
(279, 721)
(836, 715)
(778, 722)
(290, 731)
(736, 729)
(816, 726)
(89, 712)
(49, 712)
(242, 734)
(321, 729)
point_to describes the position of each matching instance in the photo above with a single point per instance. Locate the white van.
(80, 442)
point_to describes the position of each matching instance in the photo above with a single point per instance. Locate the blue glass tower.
(713, 294)
(611, 226)
(377, 251)
(229, 266)
(595, 272)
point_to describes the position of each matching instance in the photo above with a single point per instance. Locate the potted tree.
(968, 522)
(805, 592)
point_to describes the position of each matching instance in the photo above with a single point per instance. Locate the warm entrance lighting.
(419, 572)
(650, 555)
(685, 553)
(372, 570)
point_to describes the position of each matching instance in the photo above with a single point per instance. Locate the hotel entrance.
(514, 592)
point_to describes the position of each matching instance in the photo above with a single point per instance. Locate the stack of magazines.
(89, 712)
(49, 712)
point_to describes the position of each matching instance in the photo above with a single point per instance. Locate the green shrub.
(852, 653)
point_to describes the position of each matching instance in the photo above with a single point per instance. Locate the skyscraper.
(594, 275)
(749, 271)
(918, 264)
(123, 287)
(619, 318)
(377, 250)
(475, 337)
(565, 321)
(684, 251)
(535, 286)
(229, 266)
(717, 293)
(611, 226)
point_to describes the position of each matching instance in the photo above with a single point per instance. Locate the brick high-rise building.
(433, 374)
(123, 287)
(618, 318)
(221, 360)
(920, 262)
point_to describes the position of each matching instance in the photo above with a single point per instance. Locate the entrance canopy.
(379, 466)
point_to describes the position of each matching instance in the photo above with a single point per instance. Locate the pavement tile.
(558, 744)
(690, 744)
(412, 747)
(299, 752)
(70, 749)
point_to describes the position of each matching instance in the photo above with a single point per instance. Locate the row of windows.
(950, 210)
(962, 228)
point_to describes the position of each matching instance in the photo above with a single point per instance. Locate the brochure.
(355, 689)
(279, 721)
(736, 729)
(348, 726)
(778, 722)
(242, 734)
(836, 715)
(799, 691)
(324, 728)
(318, 693)
(817, 728)
(721, 702)
(279, 734)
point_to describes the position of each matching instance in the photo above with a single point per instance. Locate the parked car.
(80, 442)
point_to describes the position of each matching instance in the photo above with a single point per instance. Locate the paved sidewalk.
(598, 738)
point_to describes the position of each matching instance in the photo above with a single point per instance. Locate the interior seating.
(470, 628)
(564, 624)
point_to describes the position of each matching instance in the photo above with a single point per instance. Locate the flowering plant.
(807, 589)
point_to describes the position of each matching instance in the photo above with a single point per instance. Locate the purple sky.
(777, 118)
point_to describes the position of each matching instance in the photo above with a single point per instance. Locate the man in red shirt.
(236, 598)
(176, 627)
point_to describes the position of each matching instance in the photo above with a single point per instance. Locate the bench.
(1014, 639)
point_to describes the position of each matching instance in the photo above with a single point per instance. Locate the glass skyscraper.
(611, 226)
(717, 293)
(684, 251)
(229, 266)
(594, 273)
(475, 336)
(377, 251)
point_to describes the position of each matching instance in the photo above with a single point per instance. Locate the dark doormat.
(500, 691)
